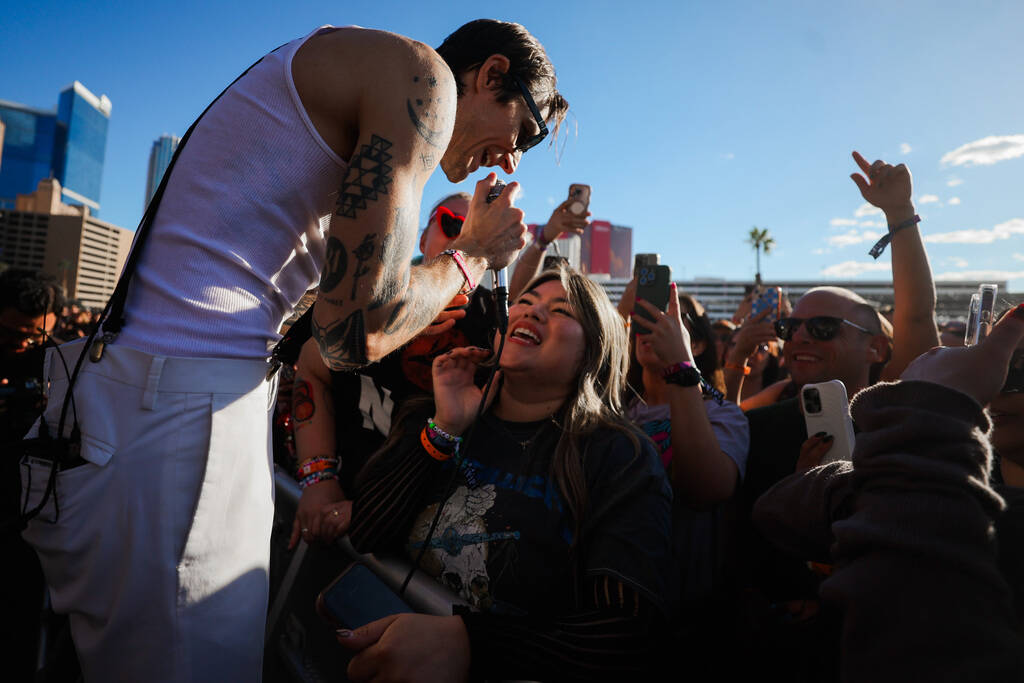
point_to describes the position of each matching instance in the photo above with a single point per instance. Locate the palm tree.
(760, 238)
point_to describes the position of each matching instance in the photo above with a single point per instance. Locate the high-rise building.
(43, 233)
(67, 144)
(159, 157)
(607, 250)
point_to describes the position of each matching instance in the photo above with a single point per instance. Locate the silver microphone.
(499, 276)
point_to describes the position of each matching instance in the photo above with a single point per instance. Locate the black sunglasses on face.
(533, 140)
(821, 327)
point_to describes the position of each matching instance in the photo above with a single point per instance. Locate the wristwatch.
(683, 374)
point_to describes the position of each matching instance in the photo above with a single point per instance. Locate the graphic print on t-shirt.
(660, 432)
(457, 553)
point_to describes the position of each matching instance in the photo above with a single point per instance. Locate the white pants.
(158, 547)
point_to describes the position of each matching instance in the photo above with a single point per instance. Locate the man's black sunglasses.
(821, 327)
(533, 140)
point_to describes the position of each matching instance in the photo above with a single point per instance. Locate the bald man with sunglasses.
(831, 333)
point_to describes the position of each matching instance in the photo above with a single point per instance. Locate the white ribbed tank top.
(240, 234)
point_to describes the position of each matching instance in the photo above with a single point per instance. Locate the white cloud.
(871, 224)
(953, 182)
(927, 199)
(852, 237)
(842, 222)
(905, 148)
(986, 151)
(855, 268)
(1019, 257)
(953, 201)
(956, 262)
(867, 210)
(819, 252)
(1003, 231)
(983, 275)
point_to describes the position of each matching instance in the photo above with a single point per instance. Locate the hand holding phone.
(357, 597)
(826, 408)
(654, 286)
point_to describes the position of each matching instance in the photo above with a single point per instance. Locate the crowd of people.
(608, 490)
(722, 533)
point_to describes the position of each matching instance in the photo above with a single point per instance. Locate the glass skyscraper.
(159, 157)
(68, 144)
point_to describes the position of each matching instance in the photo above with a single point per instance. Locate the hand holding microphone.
(494, 229)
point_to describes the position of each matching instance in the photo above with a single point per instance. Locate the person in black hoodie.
(926, 569)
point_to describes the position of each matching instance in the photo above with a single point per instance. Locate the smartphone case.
(771, 298)
(830, 413)
(653, 286)
(581, 194)
(357, 597)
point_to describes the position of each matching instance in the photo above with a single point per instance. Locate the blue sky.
(692, 121)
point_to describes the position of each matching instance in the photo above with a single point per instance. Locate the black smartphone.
(653, 285)
(357, 597)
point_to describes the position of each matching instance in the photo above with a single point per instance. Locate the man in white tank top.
(158, 549)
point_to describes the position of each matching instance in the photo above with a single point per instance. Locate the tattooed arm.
(402, 115)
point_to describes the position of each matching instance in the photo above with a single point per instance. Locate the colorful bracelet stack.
(318, 469)
(439, 444)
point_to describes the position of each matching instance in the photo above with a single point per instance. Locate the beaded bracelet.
(432, 450)
(316, 478)
(317, 464)
(432, 427)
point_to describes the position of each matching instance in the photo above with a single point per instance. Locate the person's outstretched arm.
(914, 330)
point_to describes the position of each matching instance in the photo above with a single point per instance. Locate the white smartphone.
(826, 409)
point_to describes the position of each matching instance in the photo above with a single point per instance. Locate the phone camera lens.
(812, 401)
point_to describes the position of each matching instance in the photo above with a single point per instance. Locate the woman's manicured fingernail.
(1018, 312)
(343, 633)
(819, 435)
(829, 438)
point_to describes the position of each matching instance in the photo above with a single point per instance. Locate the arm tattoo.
(413, 313)
(368, 175)
(363, 253)
(342, 343)
(335, 265)
(303, 406)
(394, 256)
(433, 137)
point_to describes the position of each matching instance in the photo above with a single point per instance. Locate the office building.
(606, 251)
(68, 144)
(45, 234)
(159, 158)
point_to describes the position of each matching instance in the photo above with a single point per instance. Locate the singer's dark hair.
(471, 44)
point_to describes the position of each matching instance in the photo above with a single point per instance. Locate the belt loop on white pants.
(156, 368)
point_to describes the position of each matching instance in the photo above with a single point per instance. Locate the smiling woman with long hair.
(555, 512)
